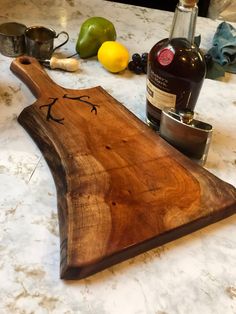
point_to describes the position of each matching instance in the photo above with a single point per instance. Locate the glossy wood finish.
(121, 188)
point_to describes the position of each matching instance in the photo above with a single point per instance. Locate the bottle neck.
(184, 22)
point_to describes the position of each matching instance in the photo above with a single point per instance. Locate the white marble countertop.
(195, 274)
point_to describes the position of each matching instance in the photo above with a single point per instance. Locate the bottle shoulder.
(176, 44)
(181, 56)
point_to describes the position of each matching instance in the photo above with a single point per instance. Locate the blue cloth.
(223, 50)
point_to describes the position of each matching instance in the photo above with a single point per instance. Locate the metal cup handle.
(64, 42)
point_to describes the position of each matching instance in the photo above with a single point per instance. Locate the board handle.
(30, 71)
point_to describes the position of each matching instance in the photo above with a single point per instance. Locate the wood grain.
(121, 189)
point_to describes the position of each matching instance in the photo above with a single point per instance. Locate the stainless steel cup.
(12, 40)
(39, 41)
(191, 137)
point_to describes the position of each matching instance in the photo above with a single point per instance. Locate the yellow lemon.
(113, 56)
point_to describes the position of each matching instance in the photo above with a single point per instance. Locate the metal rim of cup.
(6, 29)
(31, 31)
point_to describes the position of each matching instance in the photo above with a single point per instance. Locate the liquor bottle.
(176, 67)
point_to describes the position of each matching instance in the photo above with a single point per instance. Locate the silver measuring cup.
(39, 41)
(12, 40)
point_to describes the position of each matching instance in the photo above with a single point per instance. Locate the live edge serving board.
(121, 189)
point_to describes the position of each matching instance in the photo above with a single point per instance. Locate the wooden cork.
(189, 3)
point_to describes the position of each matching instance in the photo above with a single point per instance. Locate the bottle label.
(165, 56)
(159, 98)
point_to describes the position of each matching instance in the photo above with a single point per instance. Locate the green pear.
(93, 32)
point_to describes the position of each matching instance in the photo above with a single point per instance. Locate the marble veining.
(195, 274)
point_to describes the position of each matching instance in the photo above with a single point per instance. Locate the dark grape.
(144, 56)
(138, 69)
(131, 65)
(144, 67)
(136, 58)
(138, 64)
(143, 61)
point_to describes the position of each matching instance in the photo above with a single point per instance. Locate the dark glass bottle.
(176, 67)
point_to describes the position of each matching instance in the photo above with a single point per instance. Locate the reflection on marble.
(195, 274)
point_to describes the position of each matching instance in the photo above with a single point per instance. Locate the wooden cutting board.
(121, 189)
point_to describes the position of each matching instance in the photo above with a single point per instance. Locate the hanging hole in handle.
(25, 60)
